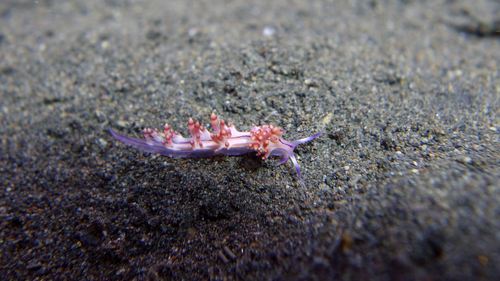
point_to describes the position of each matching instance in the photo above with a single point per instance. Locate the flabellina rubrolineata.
(226, 140)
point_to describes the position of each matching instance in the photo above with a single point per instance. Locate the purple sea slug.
(265, 140)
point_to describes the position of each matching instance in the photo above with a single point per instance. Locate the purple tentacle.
(304, 140)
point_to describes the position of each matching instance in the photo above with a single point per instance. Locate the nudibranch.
(226, 140)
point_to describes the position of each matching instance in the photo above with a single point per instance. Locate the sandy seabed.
(404, 184)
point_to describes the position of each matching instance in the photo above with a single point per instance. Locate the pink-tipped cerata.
(265, 140)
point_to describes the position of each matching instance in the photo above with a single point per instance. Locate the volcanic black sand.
(404, 184)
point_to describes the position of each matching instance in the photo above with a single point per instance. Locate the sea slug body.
(265, 140)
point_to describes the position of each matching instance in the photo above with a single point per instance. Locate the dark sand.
(404, 184)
